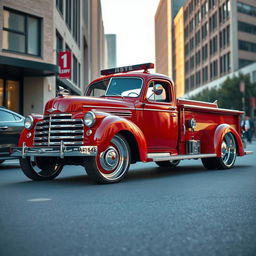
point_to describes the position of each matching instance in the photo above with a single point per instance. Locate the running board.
(158, 157)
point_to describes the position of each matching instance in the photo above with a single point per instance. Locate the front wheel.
(111, 165)
(169, 164)
(228, 155)
(39, 168)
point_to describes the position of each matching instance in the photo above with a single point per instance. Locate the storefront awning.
(20, 67)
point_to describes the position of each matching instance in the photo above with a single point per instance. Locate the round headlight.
(89, 119)
(28, 123)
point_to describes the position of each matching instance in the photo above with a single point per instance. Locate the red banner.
(65, 62)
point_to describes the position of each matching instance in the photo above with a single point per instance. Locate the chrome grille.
(59, 127)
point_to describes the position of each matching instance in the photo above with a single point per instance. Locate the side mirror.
(158, 89)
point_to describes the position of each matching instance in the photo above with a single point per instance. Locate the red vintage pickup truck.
(126, 117)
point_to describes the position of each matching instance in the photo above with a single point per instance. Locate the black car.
(11, 125)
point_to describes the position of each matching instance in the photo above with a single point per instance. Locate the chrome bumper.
(61, 151)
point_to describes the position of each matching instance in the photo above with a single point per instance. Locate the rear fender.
(111, 125)
(219, 135)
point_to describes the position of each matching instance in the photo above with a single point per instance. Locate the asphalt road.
(189, 211)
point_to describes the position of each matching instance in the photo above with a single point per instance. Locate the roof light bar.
(144, 66)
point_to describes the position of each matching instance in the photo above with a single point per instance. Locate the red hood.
(74, 104)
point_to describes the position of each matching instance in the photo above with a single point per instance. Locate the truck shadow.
(135, 174)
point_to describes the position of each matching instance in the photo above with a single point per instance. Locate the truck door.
(160, 117)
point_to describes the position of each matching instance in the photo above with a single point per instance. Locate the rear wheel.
(111, 165)
(40, 168)
(228, 155)
(169, 164)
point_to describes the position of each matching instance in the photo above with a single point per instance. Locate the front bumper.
(61, 151)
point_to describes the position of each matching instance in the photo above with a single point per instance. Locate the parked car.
(11, 125)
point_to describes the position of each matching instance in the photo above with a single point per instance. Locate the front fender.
(112, 125)
(28, 135)
(219, 134)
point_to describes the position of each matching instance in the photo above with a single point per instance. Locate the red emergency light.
(144, 66)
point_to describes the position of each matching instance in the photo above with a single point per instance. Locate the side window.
(6, 117)
(98, 89)
(163, 97)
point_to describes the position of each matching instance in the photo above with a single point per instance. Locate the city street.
(155, 211)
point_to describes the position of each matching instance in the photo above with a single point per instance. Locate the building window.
(198, 58)
(205, 52)
(244, 62)
(186, 14)
(213, 46)
(76, 21)
(225, 63)
(204, 9)
(191, 25)
(191, 7)
(247, 46)
(186, 49)
(186, 32)
(197, 38)
(198, 78)
(205, 74)
(187, 85)
(224, 37)
(74, 69)
(246, 9)
(197, 18)
(246, 27)
(59, 45)
(187, 67)
(21, 33)
(59, 5)
(192, 81)
(191, 44)
(212, 3)
(213, 22)
(214, 69)
(192, 62)
(204, 30)
(68, 13)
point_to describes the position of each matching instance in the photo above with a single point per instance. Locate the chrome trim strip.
(58, 137)
(61, 151)
(167, 157)
(59, 126)
(56, 143)
(58, 131)
(248, 152)
(100, 107)
(53, 115)
(213, 109)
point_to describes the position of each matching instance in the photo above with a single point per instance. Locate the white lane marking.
(39, 199)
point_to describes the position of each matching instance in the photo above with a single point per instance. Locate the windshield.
(117, 86)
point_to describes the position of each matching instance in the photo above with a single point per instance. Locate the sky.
(133, 23)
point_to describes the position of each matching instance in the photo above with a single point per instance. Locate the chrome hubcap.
(228, 150)
(114, 161)
(109, 159)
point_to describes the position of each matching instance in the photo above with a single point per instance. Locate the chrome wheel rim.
(114, 161)
(228, 150)
(47, 171)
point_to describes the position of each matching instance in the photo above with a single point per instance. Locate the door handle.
(173, 115)
(3, 128)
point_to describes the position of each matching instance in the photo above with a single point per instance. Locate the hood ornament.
(62, 91)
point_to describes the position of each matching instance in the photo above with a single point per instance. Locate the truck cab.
(127, 116)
